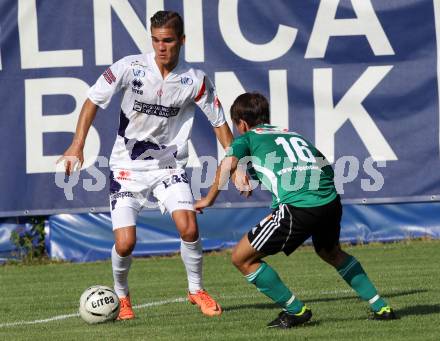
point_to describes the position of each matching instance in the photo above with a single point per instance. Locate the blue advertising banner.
(71, 238)
(359, 78)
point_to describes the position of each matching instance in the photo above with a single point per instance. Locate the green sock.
(269, 283)
(353, 273)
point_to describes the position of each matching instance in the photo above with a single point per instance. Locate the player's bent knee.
(238, 260)
(125, 248)
(189, 234)
(334, 256)
(187, 229)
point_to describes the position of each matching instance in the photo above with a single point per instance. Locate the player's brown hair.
(251, 107)
(168, 19)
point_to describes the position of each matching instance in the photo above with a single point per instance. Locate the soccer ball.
(98, 304)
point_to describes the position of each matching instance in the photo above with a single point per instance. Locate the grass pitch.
(40, 302)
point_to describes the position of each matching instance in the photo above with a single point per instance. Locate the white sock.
(120, 266)
(191, 253)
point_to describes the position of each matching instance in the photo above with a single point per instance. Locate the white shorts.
(130, 191)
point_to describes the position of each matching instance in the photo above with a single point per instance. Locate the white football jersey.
(156, 114)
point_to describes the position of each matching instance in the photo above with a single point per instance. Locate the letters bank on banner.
(329, 116)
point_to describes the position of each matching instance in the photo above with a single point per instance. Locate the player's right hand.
(73, 159)
(201, 204)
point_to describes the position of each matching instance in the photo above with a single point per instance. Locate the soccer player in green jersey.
(305, 204)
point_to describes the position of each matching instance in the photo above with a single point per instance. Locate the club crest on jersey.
(186, 80)
(137, 85)
(138, 73)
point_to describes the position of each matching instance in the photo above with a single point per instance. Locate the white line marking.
(64, 317)
(154, 304)
(179, 300)
(55, 318)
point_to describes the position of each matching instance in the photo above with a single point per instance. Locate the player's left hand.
(201, 204)
(242, 184)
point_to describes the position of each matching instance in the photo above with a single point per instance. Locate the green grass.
(407, 274)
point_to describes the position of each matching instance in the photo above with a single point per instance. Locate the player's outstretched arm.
(224, 135)
(239, 177)
(73, 157)
(222, 175)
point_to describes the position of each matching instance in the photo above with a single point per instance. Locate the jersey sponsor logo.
(155, 109)
(184, 202)
(186, 80)
(299, 169)
(121, 195)
(138, 73)
(124, 175)
(137, 85)
(176, 179)
(275, 130)
(109, 76)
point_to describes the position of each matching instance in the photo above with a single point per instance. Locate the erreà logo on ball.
(100, 302)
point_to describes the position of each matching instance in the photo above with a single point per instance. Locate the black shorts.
(288, 227)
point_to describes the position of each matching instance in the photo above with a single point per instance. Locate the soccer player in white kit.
(151, 148)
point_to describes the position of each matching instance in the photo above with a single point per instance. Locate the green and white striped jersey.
(288, 165)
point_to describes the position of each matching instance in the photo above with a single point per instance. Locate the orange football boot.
(207, 304)
(126, 311)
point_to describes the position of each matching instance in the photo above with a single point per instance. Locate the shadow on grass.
(422, 309)
(353, 297)
(407, 311)
(250, 306)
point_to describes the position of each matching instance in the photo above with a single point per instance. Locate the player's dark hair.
(168, 19)
(251, 107)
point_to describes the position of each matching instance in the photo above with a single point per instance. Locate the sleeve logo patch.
(109, 76)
